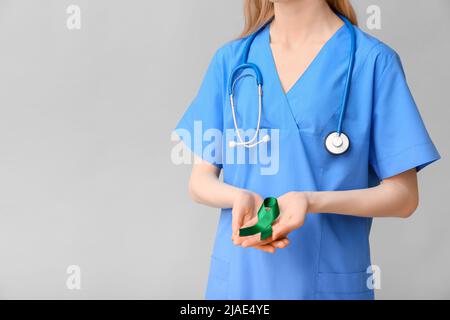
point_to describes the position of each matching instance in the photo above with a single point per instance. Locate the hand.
(245, 208)
(293, 208)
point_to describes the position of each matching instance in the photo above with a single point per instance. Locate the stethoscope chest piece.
(336, 143)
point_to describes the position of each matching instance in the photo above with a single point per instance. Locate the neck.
(298, 20)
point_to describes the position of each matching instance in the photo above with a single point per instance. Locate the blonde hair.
(258, 12)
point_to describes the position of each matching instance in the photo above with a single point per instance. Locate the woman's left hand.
(293, 208)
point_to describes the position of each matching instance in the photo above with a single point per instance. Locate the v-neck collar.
(323, 49)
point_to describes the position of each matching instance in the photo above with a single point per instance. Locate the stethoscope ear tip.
(266, 138)
(232, 144)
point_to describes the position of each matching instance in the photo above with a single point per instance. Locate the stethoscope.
(336, 142)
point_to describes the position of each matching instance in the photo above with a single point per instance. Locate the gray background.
(86, 176)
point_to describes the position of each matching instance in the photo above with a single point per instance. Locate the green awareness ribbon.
(267, 214)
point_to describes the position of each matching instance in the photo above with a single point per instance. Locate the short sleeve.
(200, 128)
(399, 139)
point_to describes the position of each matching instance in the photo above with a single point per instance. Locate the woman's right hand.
(245, 207)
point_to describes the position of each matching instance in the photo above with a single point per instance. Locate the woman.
(319, 248)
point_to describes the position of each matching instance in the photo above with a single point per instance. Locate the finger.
(280, 229)
(280, 244)
(238, 240)
(266, 248)
(255, 241)
(284, 241)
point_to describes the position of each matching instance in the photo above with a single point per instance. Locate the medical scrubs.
(329, 255)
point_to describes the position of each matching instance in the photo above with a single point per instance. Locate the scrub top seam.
(368, 227)
(316, 282)
(364, 60)
(383, 73)
(319, 255)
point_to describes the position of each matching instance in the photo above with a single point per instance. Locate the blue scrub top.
(328, 257)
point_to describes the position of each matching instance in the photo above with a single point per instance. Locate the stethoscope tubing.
(248, 143)
(351, 62)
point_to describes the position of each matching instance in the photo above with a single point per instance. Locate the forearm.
(391, 199)
(208, 189)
